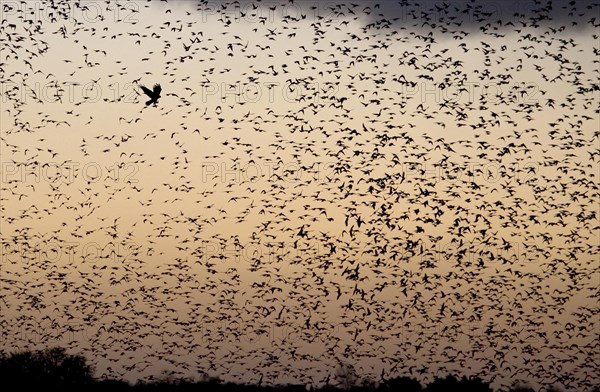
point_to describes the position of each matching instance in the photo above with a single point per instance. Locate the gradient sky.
(408, 188)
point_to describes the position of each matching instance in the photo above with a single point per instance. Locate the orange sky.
(343, 187)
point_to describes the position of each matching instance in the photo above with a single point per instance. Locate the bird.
(154, 94)
(380, 193)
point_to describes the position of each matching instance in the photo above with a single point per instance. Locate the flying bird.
(352, 229)
(153, 94)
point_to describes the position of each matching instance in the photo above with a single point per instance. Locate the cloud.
(472, 15)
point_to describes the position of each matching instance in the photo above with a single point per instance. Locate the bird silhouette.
(154, 94)
(361, 182)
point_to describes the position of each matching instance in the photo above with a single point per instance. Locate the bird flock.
(407, 188)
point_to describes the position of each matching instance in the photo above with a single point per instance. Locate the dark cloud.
(466, 14)
(477, 14)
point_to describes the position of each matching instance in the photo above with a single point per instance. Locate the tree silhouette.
(519, 387)
(54, 369)
(404, 384)
(45, 368)
(346, 376)
(451, 383)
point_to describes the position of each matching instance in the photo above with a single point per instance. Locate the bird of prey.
(153, 94)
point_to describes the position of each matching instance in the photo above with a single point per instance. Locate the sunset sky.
(410, 188)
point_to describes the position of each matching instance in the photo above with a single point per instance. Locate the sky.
(409, 188)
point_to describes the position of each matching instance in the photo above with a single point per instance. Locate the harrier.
(153, 94)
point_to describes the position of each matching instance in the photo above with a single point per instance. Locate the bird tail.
(149, 102)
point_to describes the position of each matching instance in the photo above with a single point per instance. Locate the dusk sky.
(407, 188)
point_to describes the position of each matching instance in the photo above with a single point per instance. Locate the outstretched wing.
(157, 90)
(147, 91)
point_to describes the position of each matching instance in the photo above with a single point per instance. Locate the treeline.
(54, 369)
